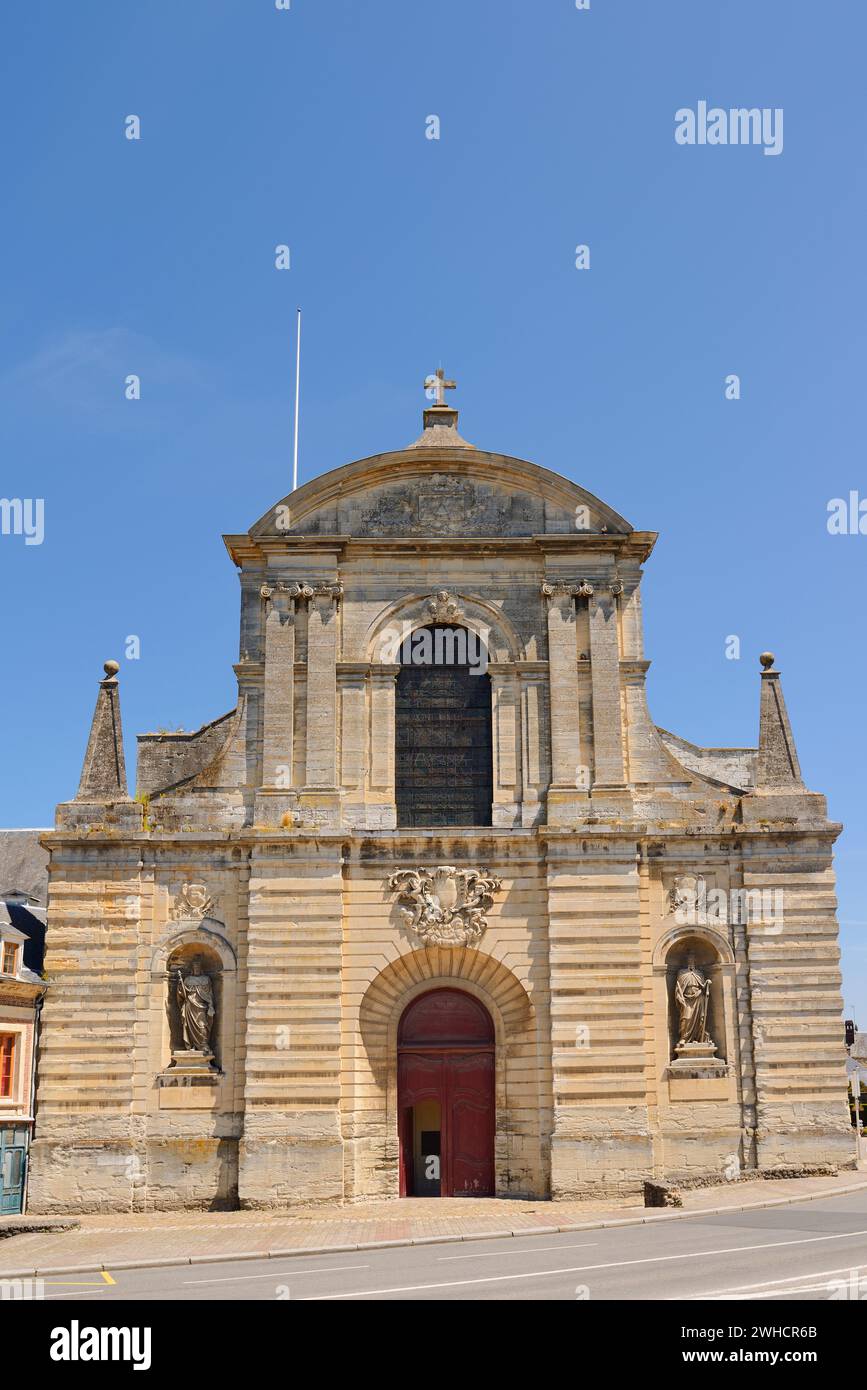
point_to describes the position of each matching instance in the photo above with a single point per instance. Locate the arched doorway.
(445, 1090)
(443, 748)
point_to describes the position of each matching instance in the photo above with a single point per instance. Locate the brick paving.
(167, 1237)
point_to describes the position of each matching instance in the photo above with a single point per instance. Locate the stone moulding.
(188, 1080)
(447, 905)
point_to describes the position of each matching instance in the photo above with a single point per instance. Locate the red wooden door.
(446, 1056)
(470, 1111)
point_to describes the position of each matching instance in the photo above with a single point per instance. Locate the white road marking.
(449, 1284)
(536, 1249)
(273, 1274)
(82, 1293)
(773, 1287)
(585, 1269)
(777, 1293)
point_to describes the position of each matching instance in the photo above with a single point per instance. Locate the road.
(809, 1251)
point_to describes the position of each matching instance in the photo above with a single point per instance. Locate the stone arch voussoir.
(398, 620)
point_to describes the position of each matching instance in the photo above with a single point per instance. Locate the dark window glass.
(444, 762)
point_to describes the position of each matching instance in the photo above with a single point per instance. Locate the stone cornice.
(636, 545)
(635, 831)
(18, 994)
(518, 668)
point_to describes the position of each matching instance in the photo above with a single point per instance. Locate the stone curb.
(675, 1214)
(36, 1227)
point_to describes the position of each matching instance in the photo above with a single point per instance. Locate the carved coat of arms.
(445, 506)
(446, 906)
(685, 892)
(193, 903)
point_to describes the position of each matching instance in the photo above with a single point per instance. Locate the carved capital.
(332, 591)
(446, 906)
(562, 588)
(299, 590)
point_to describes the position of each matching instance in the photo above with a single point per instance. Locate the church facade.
(436, 909)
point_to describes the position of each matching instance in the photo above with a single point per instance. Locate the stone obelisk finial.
(777, 765)
(103, 776)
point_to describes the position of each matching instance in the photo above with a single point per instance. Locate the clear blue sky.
(307, 127)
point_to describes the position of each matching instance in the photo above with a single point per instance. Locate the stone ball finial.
(767, 660)
(111, 669)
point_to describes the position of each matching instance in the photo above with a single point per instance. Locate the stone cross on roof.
(439, 384)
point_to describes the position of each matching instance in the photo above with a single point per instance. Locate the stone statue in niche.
(692, 996)
(195, 995)
(695, 1051)
(191, 991)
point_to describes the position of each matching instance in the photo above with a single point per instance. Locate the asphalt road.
(810, 1251)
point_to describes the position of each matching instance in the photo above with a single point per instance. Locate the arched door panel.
(446, 1018)
(471, 1114)
(446, 1102)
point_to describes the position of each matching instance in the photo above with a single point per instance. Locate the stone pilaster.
(797, 1009)
(506, 715)
(279, 698)
(608, 768)
(568, 784)
(535, 743)
(88, 1148)
(321, 796)
(382, 806)
(292, 1149)
(352, 684)
(600, 1082)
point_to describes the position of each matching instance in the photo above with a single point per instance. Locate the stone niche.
(192, 1065)
(696, 990)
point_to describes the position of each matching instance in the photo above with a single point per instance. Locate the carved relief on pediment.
(445, 505)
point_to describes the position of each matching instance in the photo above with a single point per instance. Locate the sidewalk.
(165, 1238)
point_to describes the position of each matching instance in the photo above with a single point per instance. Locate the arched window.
(444, 761)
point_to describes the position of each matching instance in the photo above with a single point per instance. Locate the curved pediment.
(439, 492)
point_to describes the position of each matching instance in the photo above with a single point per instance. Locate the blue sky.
(307, 127)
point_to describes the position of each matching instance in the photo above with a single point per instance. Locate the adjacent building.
(23, 896)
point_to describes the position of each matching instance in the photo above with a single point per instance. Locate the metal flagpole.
(297, 402)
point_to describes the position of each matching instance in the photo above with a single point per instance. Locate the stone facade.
(266, 846)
